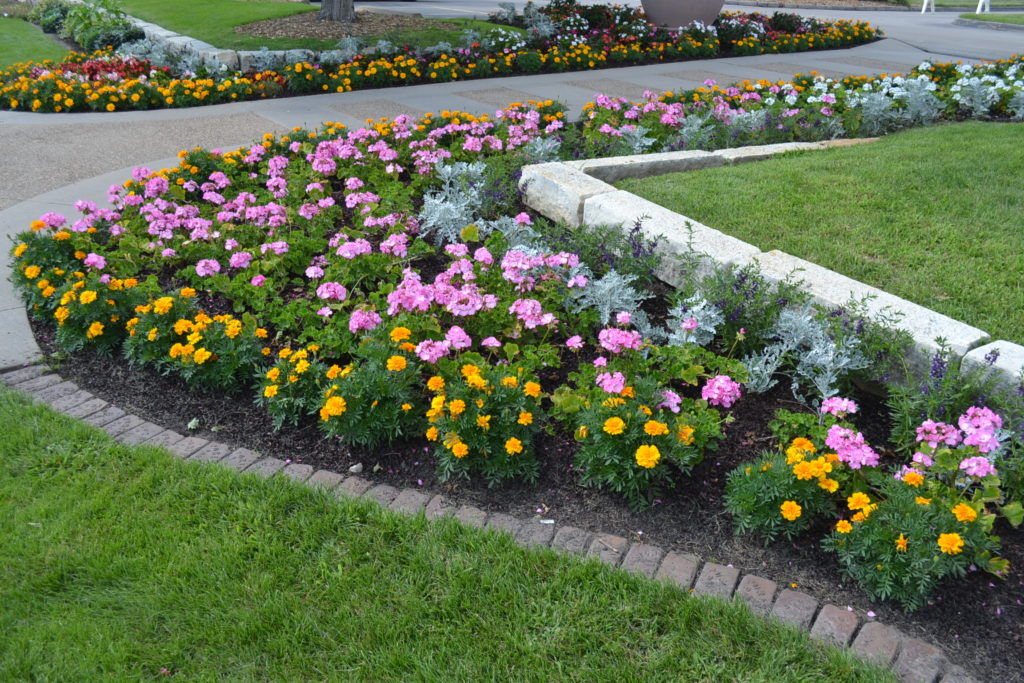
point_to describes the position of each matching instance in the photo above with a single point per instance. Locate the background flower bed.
(284, 258)
(561, 37)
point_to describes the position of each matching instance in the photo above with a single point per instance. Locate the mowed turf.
(124, 563)
(932, 215)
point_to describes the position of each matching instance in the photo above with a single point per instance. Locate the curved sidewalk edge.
(995, 25)
(911, 659)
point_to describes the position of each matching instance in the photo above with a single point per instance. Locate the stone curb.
(995, 25)
(579, 192)
(912, 659)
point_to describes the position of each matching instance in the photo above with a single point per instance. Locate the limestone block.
(558, 191)
(613, 169)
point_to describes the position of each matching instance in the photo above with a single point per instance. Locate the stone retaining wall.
(578, 192)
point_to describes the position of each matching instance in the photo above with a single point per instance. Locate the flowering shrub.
(896, 534)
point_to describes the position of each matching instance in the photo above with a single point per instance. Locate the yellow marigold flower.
(790, 510)
(48, 292)
(260, 333)
(913, 479)
(513, 446)
(406, 407)
(62, 235)
(201, 356)
(153, 333)
(655, 428)
(647, 456)
(265, 350)
(627, 392)
(844, 527)
(685, 434)
(858, 501)
(334, 406)
(803, 470)
(460, 450)
(284, 353)
(614, 426)
(130, 282)
(299, 355)
(270, 391)
(435, 383)
(510, 381)
(965, 513)
(273, 374)
(951, 544)
(20, 249)
(163, 305)
(457, 407)
(87, 297)
(301, 367)
(531, 389)
(476, 381)
(31, 272)
(525, 418)
(830, 485)
(468, 370)
(806, 445)
(183, 326)
(921, 500)
(409, 347)
(581, 432)
(613, 402)
(292, 379)
(312, 348)
(483, 421)
(400, 334)
(901, 544)
(333, 371)
(233, 329)
(432, 434)
(396, 363)
(187, 293)
(78, 285)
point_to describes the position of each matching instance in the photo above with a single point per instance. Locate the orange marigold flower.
(913, 479)
(435, 383)
(95, 330)
(334, 406)
(844, 527)
(460, 450)
(525, 418)
(647, 456)
(514, 446)
(270, 390)
(400, 334)
(614, 426)
(901, 544)
(396, 363)
(965, 513)
(858, 501)
(920, 500)
(457, 407)
(432, 434)
(790, 510)
(951, 544)
(655, 428)
(531, 389)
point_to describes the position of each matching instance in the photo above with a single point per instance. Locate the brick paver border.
(911, 659)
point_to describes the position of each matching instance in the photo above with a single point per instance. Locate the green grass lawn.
(120, 563)
(968, 3)
(213, 21)
(932, 215)
(21, 41)
(998, 18)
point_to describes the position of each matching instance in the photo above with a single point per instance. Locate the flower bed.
(383, 284)
(567, 42)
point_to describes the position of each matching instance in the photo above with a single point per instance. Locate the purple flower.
(672, 400)
(458, 338)
(491, 342)
(240, 259)
(314, 272)
(257, 280)
(207, 267)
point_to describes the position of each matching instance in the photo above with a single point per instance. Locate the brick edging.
(911, 659)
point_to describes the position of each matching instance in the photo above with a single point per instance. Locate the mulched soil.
(979, 621)
(307, 25)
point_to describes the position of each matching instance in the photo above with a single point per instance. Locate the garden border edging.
(911, 659)
(579, 192)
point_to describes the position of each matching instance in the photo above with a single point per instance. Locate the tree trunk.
(338, 10)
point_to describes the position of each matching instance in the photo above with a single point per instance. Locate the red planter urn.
(676, 13)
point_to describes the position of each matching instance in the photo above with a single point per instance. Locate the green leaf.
(511, 351)
(998, 566)
(1013, 512)
(691, 374)
(565, 401)
(470, 233)
(177, 191)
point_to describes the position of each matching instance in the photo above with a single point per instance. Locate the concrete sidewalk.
(55, 159)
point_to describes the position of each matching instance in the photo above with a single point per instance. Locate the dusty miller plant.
(637, 139)
(708, 318)
(1016, 105)
(922, 107)
(877, 114)
(976, 96)
(455, 204)
(695, 133)
(608, 295)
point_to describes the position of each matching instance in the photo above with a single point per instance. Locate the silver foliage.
(455, 204)
(610, 294)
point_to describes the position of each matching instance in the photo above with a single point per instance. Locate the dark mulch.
(979, 621)
(308, 25)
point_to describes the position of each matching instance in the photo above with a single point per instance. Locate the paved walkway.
(54, 159)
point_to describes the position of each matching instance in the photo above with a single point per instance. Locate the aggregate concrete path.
(54, 159)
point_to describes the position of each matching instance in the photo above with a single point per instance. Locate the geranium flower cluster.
(920, 524)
